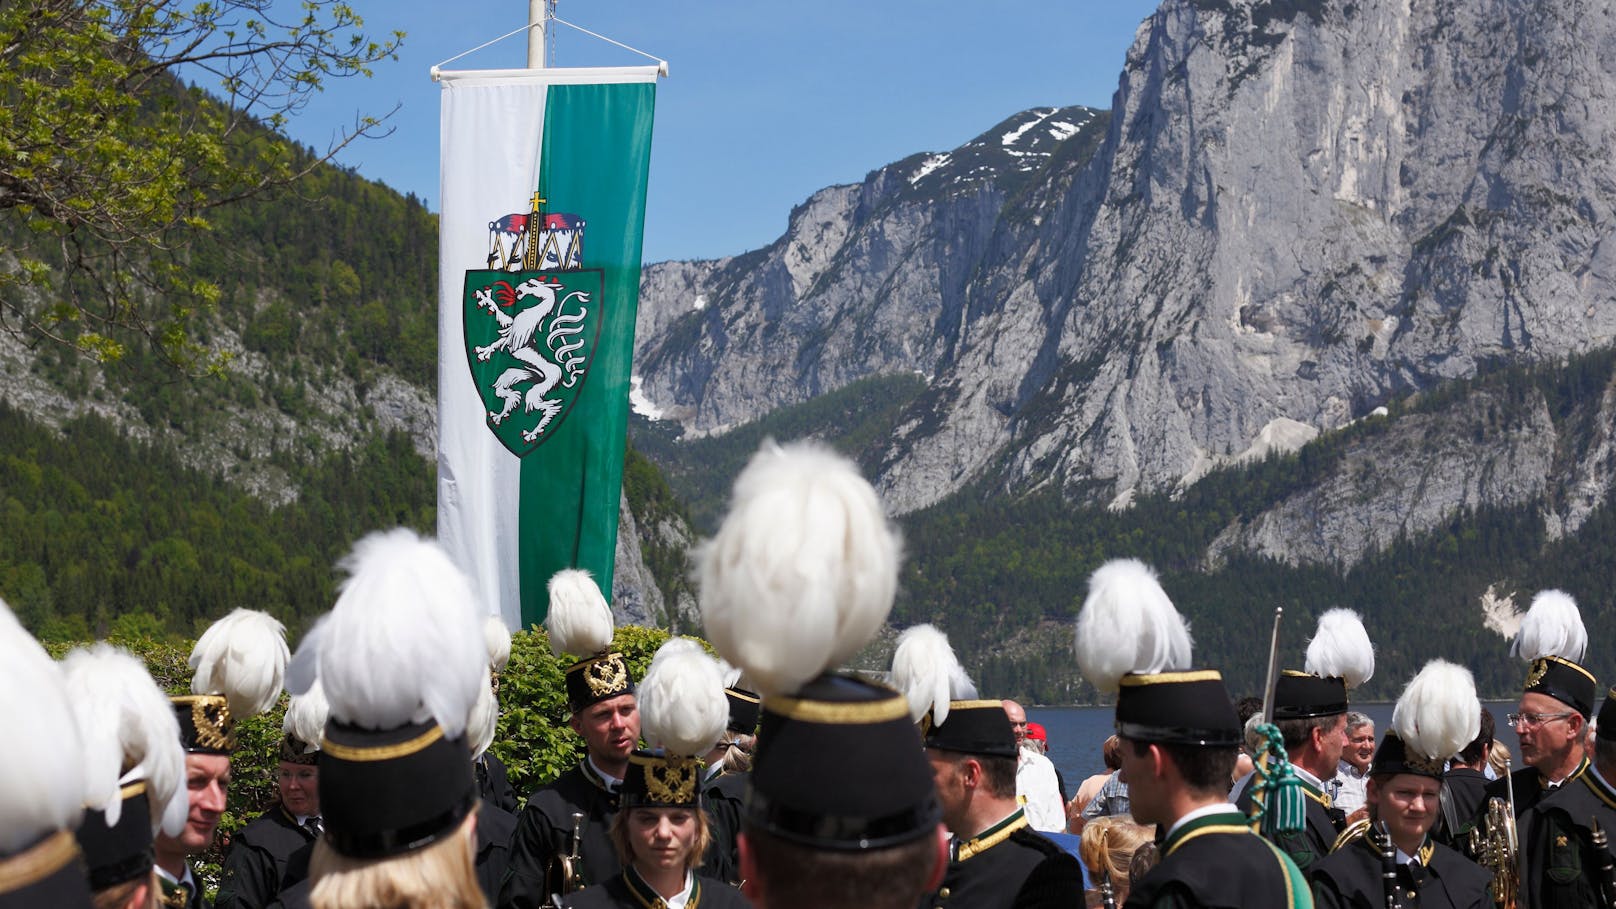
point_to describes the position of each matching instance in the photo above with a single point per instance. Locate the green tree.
(109, 167)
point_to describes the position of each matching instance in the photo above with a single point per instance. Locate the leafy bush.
(533, 738)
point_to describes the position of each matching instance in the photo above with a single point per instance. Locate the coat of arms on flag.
(530, 335)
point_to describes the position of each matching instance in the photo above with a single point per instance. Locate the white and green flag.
(543, 189)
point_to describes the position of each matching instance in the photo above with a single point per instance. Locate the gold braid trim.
(983, 844)
(38, 862)
(382, 752)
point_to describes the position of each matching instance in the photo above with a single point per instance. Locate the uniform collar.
(646, 895)
(1218, 817)
(992, 836)
(598, 776)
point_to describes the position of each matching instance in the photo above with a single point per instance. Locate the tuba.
(568, 868)
(1494, 845)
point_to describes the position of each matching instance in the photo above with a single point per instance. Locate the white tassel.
(404, 642)
(579, 620)
(41, 787)
(124, 719)
(243, 657)
(1552, 627)
(682, 703)
(928, 673)
(498, 639)
(484, 720)
(305, 718)
(802, 572)
(1438, 713)
(1341, 649)
(1128, 625)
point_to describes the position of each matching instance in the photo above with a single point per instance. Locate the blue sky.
(767, 101)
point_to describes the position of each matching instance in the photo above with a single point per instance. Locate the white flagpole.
(539, 14)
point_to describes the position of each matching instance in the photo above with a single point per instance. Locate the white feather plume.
(681, 699)
(305, 718)
(243, 657)
(1341, 649)
(731, 674)
(1128, 624)
(1438, 713)
(498, 639)
(579, 620)
(484, 720)
(928, 673)
(802, 572)
(404, 642)
(1552, 627)
(126, 723)
(41, 791)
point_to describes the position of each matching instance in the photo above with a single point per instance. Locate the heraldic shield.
(530, 340)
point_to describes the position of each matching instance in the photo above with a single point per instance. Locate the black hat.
(1178, 708)
(744, 707)
(395, 766)
(661, 781)
(1554, 640)
(1565, 681)
(840, 767)
(971, 727)
(599, 678)
(390, 791)
(240, 663)
(46, 873)
(1437, 715)
(1300, 696)
(1605, 728)
(206, 726)
(1392, 756)
(118, 852)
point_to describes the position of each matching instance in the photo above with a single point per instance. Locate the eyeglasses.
(1534, 720)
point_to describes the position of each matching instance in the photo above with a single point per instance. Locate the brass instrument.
(569, 867)
(1494, 845)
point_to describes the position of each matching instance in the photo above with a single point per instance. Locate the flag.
(543, 194)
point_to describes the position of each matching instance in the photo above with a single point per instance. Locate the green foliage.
(533, 739)
(109, 167)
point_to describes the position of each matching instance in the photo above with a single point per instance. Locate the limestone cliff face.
(1297, 211)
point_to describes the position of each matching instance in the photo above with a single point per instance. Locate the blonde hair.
(625, 847)
(1108, 846)
(441, 875)
(1498, 757)
(738, 757)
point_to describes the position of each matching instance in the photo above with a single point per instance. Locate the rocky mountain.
(1295, 213)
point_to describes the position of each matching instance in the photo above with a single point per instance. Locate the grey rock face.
(1298, 212)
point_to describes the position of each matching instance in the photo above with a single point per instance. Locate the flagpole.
(539, 13)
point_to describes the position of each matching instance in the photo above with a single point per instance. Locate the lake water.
(1076, 734)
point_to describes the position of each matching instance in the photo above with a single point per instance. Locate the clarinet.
(1108, 896)
(1388, 867)
(1607, 866)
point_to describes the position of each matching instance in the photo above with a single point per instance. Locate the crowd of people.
(771, 778)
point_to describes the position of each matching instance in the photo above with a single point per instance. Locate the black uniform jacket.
(1530, 788)
(626, 890)
(494, 783)
(724, 796)
(1010, 865)
(175, 896)
(1464, 800)
(495, 827)
(544, 831)
(1325, 822)
(268, 855)
(1352, 876)
(1562, 862)
(1216, 861)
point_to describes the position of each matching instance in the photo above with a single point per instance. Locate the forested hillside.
(1005, 575)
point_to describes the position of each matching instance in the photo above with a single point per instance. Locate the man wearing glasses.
(1556, 702)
